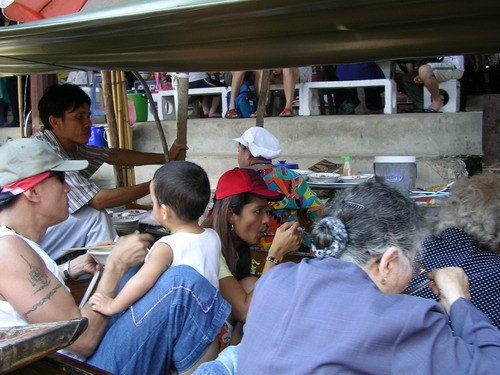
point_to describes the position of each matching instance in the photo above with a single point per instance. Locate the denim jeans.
(171, 326)
(225, 364)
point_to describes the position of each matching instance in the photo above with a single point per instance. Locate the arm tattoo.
(42, 301)
(37, 277)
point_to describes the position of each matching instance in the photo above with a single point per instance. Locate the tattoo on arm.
(37, 277)
(42, 301)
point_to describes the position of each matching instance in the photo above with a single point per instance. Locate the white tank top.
(200, 251)
(8, 316)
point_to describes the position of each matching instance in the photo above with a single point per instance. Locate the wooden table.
(23, 345)
(59, 364)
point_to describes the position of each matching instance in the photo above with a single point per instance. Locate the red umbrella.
(32, 10)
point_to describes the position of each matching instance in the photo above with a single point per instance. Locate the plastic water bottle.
(346, 170)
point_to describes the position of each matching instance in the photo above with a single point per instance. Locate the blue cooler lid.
(283, 163)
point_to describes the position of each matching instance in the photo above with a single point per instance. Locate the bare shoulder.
(161, 250)
(20, 261)
(29, 286)
(13, 249)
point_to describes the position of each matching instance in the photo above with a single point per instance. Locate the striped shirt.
(82, 189)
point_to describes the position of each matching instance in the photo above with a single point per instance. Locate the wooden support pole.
(263, 97)
(111, 120)
(182, 112)
(20, 103)
(491, 131)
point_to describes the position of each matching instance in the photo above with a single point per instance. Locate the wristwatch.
(66, 273)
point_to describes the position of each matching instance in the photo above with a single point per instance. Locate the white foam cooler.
(398, 172)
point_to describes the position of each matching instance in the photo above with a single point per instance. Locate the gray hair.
(474, 207)
(373, 217)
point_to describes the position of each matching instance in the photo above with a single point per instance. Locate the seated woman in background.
(240, 217)
(345, 314)
(467, 235)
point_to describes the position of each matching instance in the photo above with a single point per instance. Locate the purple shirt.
(326, 316)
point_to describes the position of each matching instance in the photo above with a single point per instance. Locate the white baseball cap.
(25, 157)
(260, 142)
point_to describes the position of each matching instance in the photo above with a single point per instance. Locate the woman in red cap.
(240, 217)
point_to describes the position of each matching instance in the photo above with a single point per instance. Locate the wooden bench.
(166, 101)
(308, 88)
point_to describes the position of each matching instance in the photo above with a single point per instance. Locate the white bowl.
(323, 178)
(125, 224)
(303, 172)
(356, 179)
(100, 255)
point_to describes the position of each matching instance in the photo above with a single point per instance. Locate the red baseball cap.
(242, 180)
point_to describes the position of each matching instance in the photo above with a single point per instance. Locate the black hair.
(236, 253)
(184, 187)
(58, 99)
(9, 202)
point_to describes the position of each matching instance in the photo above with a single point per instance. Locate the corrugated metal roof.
(241, 35)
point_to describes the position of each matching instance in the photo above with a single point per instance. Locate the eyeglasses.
(61, 176)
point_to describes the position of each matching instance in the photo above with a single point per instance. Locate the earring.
(231, 227)
(384, 280)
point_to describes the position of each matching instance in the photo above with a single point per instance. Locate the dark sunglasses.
(61, 176)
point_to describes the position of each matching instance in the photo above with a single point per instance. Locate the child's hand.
(101, 303)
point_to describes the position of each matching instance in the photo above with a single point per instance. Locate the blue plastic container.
(283, 163)
(98, 136)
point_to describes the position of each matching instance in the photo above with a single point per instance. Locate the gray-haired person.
(467, 235)
(344, 312)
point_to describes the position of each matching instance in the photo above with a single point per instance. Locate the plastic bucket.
(141, 106)
(98, 136)
(398, 172)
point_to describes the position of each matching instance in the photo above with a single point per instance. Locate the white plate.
(323, 178)
(356, 179)
(323, 183)
(303, 172)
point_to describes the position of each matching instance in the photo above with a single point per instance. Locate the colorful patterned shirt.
(300, 203)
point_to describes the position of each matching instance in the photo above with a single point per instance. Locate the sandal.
(232, 113)
(287, 112)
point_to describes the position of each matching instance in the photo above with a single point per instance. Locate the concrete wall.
(435, 139)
